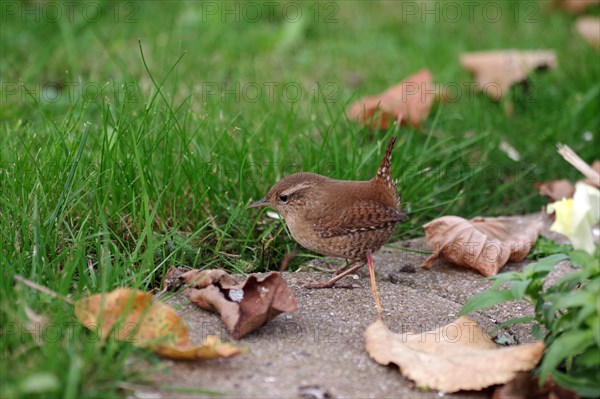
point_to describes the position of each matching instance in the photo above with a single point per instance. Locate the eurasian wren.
(339, 218)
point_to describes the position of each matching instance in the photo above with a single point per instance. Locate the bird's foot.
(330, 270)
(339, 270)
(329, 284)
(314, 285)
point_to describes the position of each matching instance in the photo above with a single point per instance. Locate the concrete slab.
(321, 345)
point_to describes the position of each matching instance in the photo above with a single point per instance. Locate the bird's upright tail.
(384, 173)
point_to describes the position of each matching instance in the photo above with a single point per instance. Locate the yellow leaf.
(130, 315)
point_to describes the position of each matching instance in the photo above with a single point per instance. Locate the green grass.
(115, 167)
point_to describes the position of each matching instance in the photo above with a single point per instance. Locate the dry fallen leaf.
(556, 189)
(211, 348)
(483, 244)
(407, 102)
(589, 29)
(130, 315)
(575, 6)
(243, 307)
(458, 356)
(171, 280)
(496, 71)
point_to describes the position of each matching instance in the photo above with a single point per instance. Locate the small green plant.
(567, 314)
(545, 247)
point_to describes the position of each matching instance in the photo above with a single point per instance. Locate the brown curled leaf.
(483, 244)
(171, 280)
(245, 306)
(131, 315)
(496, 71)
(407, 102)
(455, 357)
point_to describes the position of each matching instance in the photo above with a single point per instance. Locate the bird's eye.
(283, 198)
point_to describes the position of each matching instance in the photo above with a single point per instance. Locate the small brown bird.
(339, 218)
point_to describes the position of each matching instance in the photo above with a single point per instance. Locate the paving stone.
(320, 349)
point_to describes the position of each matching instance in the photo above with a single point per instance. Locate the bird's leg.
(374, 284)
(339, 270)
(335, 270)
(331, 282)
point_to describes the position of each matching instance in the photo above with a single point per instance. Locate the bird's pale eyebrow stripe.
(296, 188)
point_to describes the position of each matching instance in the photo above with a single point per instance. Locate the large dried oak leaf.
(458, 356)
(243, 307)
(496, 71)
(407, 102)
(130, 315)
(483, 244)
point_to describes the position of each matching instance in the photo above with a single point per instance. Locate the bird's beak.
(261, 202)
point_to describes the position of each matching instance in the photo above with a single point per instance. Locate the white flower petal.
(588, 196)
